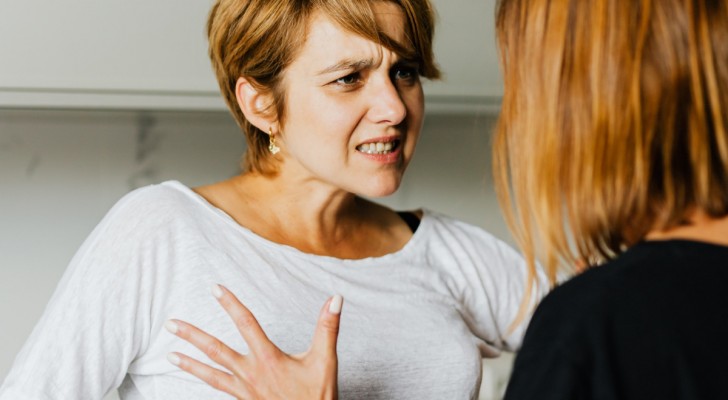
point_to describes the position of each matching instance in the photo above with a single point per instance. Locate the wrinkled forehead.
(390, 21)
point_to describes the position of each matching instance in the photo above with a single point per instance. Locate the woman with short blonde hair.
(259, 39)
(329, 95)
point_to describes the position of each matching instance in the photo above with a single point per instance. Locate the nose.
(386, 105)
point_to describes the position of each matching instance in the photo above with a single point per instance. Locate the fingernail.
(173, 358)
(335, 305)
(171, 326)
(216, 291)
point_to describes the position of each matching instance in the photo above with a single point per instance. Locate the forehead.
(326, 40)
(390, 20)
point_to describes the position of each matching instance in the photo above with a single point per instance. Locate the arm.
(102, 315)
(267, 372)
(490, 281)
(91, 329)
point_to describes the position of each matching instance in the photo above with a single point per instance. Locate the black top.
(410, 219)
(652, 324)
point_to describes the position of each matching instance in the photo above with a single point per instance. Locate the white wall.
(139, 54)
(60, 171)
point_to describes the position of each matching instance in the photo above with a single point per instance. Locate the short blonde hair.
(259, 39)
(613, 122)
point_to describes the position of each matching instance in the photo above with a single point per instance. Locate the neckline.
(410, 247)
(681, 242)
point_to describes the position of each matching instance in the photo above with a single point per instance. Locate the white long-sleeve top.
(415, 323)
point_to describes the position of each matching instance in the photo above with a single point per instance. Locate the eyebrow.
(347, 65)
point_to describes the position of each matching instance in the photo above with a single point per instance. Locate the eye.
(349, 80)
(404, 73)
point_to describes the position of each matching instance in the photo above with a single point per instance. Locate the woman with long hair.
(612, 153)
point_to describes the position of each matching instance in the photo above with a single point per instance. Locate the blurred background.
(100, 97)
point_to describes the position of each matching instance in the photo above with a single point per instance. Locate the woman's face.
(354, 109)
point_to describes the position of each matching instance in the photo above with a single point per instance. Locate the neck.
(700, 227)
(309, 215)
(317, 208)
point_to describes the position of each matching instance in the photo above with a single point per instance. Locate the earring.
(272, 146)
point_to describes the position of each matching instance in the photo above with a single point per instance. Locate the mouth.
(380, 147)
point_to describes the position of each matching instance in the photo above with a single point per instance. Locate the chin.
(380, 190)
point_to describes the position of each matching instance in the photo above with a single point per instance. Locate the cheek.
(322, 115)
(415, 112)
(415, 102)
(320, 127)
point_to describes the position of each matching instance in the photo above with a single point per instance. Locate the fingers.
(327, 328)
(247, 325)
(266, 370)
(214, 349)
(219, 380)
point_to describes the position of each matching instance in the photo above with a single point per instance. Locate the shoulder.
(608, 313)
(643, 286)
(157, 196)
(445, 225)
(613, 284)
(584, 294)
(452, 233)
(560, 338)
(477, 259)
(152, 211)
(488, 275)
(145, 226)
(580, 306)
(156, 202)
(571, 301)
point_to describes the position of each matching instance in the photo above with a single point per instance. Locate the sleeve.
(98, 318)
(492, 284)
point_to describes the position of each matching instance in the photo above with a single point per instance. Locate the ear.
(256, 106)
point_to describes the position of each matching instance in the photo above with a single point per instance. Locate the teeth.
(376, 148)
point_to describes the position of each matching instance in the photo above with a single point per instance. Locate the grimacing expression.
(354, 109)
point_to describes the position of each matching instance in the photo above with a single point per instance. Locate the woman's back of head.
(614, 121)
